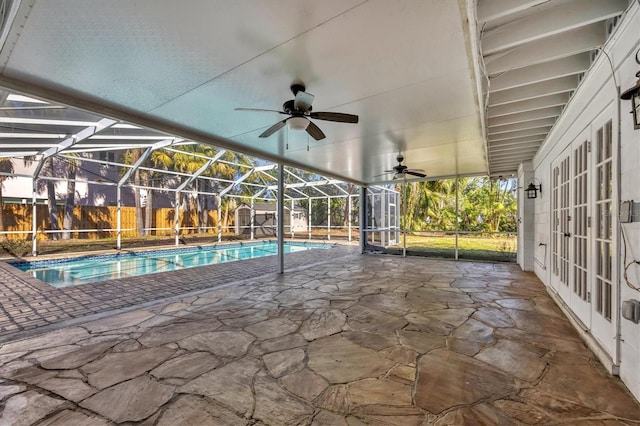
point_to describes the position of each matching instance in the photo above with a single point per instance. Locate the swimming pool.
(89, 269)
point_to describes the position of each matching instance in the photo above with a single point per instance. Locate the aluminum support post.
(362, 221)
(280, 218)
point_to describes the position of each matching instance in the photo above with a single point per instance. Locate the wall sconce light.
(532, 189)
(634, 94)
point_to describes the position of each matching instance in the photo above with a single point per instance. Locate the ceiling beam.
(525, 116)
(528, 105)
(558, 46)
(512, 149)
(489, 10)
(540, 131)
(571, 65)
(535, 90)
(549, 22)
(505, 164)
(520, 156)
(515, 141)
(533, 124)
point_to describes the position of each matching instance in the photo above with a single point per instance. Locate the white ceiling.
(433, 79)
(404, 66)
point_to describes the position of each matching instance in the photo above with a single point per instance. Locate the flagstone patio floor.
(359, 339)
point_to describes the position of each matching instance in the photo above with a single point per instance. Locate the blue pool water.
(90, 269)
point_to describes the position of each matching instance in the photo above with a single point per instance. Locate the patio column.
(526, 248)
(384, 221)
(350, 212)
(34, 219)
(403, 206)
(309, 217)
(219, 224)
(457, 217)
(362, 220)
(280, 219)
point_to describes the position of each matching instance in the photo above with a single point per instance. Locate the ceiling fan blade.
(271, 130)
(315, 131)
(417, 170)
(334, 116)
(303, 101)
(415, 173)
(260, 110)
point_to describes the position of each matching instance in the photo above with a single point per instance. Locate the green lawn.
(482, 247)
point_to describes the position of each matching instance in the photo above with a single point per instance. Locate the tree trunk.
(345, 221)
(67, 223)
(148, 213)
(200, 207)
(139, 220)
(3, 236)
(53, 209)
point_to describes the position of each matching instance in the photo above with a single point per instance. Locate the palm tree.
(51, 167)
(190, 160)
(71, 172)
(6, 166)
(146, 178)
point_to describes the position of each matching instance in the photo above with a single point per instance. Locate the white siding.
(597, 97)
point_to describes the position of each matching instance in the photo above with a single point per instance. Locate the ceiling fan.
(401, 171)
(299, 112)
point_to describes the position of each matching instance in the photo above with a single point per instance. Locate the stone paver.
(27, 303)
(362, 340)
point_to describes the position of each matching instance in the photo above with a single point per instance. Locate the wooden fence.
(100, 222)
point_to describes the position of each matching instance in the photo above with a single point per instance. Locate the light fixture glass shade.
(532, 191)
(298, 123)
(634, 95)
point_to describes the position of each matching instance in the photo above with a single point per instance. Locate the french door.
(604, 253)
(582, 224)
(560, 231)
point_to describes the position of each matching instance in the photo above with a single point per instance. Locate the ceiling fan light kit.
(401, 171)
(299, 110)
(298, 123)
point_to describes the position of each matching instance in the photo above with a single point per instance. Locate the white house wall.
(597, 97)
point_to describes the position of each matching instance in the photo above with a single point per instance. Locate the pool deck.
(345, 341)
(28, 304)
